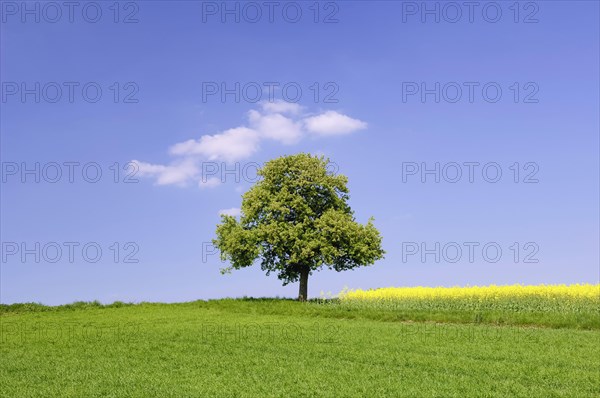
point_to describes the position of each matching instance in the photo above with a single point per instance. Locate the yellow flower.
(492, 292)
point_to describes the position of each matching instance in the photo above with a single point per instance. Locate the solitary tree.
(297, 220)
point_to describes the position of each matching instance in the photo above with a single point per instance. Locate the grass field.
(284, 348)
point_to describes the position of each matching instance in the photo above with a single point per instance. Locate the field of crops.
(551, 305)
(401, 342)
(553, 298)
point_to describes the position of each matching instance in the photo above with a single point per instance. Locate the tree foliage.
(296, 219)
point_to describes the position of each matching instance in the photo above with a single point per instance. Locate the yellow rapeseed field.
(492, 292)
(579, 299)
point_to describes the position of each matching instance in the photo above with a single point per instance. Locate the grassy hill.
(281, 348)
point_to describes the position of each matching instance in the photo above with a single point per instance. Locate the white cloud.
(230, 145)
(276, 127)
(242, 142)
(234, 211)
(146, 169)
(333, 123)
(180, 172)
(184, 148)
(280, 106)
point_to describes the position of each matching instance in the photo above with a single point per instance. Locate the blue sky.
(158, 115)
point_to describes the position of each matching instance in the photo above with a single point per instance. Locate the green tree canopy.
(296, 219)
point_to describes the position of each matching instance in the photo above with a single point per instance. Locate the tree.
(297, 220)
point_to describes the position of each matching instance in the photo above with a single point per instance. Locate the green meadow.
(286, 348)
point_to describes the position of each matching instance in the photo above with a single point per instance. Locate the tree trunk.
(303, 292)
